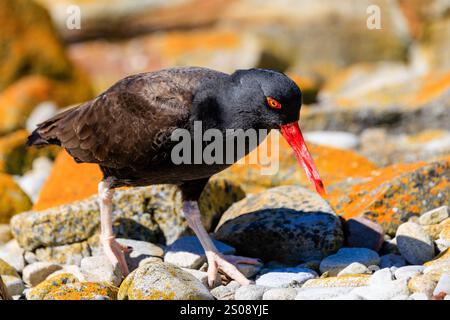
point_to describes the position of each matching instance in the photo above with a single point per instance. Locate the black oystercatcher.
(127, 131)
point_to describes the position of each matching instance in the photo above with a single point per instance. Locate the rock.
(418, 296)
(335, 139)
(434, 216)
(150, 214)
(5, 234)
(12, 199)
(390, 195)
(381, 277)
(440, 265)
(392, 260)
(162, 281)
(73, 270)
(200, 275)
(187, 252)
(99, 269)
(322, 293)
(249, 270)
(396, 289)
(354, 268)
(35, 273)
(342, 281)
(225, 292)
(65, 254)
(285, 278)
(7, 270)
(408, 272)
(32, 181)
(250, 292)
(53, 283)
(389, 247)
(334, 165)
(422, 284)
(280, 294)
(414, 244)
(141, 251)
(82, 291)
(289, 224)
(443, 285)
(14, 285)
(345, 256)
(49, 75)
(444, 236)
(313, 265)
(13, 254)
(361, 232)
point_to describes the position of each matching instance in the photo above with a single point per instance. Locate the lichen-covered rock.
(41, 290)
(12, 199)
(333, 164)
(162, 281)
(289, 224)
(434, 216)
(65, 254)
(353, 280)
(151, 214)
(392, 195)
(82, 291)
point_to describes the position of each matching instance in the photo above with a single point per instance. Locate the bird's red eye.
(273, 103)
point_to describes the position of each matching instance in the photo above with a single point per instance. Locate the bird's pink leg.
(216, 261)
(112, 249)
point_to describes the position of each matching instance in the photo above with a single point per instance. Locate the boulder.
(289, 224)
(12, 199)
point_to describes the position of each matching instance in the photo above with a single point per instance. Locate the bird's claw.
(227, 265)
(116, 253)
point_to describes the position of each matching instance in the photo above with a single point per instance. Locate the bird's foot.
(227, 264)
(115, 253)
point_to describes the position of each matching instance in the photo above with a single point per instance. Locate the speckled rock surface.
(41, 290)
(333, 264)
(280, 294)
(152, 214)
(82, 291)
(434, 216)
(65, 254)
(187, 252)
(99, 269)
(289, 224)
(250, 292)
(414, 244)
(162, 281)
(357, 280)
(391, 195)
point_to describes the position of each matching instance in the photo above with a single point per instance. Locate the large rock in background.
(33, 65)
(392, 195)
(333, 164)
(288, 224)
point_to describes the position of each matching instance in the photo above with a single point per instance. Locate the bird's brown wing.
(131, 122)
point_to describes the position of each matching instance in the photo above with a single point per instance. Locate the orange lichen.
(176, 43)
(68, 182)
(432, 88)
(333, 164)
(82, 291)
(390, 194)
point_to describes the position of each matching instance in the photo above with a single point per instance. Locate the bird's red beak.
(291, 132)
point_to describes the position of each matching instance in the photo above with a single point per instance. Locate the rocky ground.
(377, 127)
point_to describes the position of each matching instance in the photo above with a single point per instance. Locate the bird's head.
(275, 101)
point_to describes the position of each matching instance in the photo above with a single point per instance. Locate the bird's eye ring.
(273, 103)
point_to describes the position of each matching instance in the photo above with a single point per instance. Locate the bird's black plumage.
(126, 130)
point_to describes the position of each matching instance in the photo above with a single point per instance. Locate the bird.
(127, 130)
